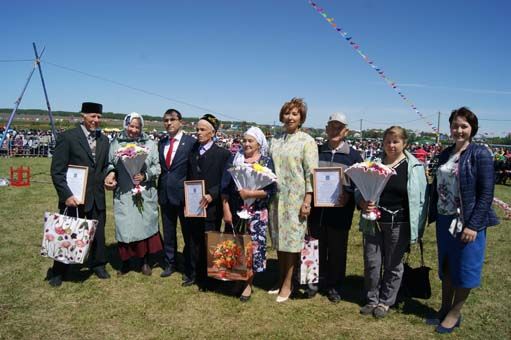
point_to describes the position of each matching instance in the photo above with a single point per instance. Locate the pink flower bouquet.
(133, 158)
(370, 178)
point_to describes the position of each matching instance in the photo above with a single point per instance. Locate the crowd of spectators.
(38, 143)
(26, 142)
(502, 164)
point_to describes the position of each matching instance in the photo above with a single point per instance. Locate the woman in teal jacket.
(136, 216)
(403, 207)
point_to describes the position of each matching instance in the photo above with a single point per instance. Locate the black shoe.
(333, 295)
(169, 270)
(125, 268)
(55, 281)
(101, 272)
(367, 309)
(309, 293)
(187, 282)
(245, 298)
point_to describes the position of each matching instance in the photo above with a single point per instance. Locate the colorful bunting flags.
(364, 56)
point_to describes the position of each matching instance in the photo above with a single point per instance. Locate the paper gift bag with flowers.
(67, 239)
(229, 257)
(309, 261)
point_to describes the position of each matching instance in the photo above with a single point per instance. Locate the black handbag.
(415, 281)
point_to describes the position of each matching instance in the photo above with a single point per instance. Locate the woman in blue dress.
(254, 150)
(461, 206)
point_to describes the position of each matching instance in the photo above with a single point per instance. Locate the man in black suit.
(174, 151)
(84, 145)
(206, 162)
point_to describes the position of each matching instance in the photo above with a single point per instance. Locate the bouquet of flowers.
(133, 157)
(229, 256)
(370, 178)
(226, 255)
(252, 177)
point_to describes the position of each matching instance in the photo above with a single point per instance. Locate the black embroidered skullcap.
(211, 120)
(88, 107)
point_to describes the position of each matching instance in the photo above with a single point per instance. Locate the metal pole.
(18, 101)
(361, 134)
(438, 128)
(38, 62)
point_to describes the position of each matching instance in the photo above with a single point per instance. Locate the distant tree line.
(240, 126)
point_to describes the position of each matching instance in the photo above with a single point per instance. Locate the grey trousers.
(387, 247)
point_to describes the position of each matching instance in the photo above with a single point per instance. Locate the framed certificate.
(194, 191)
(327, 186)
(76, 178)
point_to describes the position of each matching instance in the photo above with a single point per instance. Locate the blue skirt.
(464, 260)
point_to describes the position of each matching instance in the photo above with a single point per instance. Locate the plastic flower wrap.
(133, 158)
(370, 178)
(252, 177)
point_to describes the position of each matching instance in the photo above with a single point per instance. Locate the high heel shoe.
(245, 298)
(444, 330)
(281, 299)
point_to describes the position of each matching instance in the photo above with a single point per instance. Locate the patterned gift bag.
(309, 258)
(229, 256)
(67, 239)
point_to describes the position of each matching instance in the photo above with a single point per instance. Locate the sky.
(241, 60)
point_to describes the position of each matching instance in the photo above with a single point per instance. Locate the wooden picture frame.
(194, 191)
(328, 182)
(76, 178)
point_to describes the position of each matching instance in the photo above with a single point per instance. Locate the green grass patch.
(135, 306)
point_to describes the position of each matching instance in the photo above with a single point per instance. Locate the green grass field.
(135, 306)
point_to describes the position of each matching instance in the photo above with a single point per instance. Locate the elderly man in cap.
(332, 225)
(84, 145)
(206, 162)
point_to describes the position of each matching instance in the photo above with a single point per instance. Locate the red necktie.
(169, 153)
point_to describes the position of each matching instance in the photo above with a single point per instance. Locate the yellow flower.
(130, 145)
(257, 167)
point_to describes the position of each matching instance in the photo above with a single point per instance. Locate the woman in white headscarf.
(136, 216)
(254, 150)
